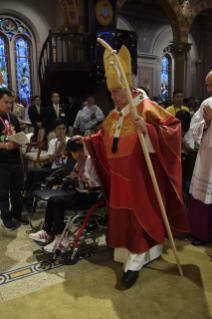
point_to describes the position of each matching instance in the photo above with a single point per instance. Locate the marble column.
(179, 51)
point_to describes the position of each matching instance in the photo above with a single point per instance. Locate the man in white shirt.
(57, 157)
(57, 205)
(200, 209)
(92, 114)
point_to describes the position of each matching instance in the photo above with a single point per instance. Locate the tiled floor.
(21, 254)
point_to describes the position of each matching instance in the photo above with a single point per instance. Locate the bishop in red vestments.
(136, 228)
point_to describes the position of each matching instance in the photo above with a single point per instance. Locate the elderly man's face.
(118, 96)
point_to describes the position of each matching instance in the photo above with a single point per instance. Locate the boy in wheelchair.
(57, 158)
(57, 205)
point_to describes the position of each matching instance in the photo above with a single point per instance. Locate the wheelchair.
(53, 180)
(82, 216)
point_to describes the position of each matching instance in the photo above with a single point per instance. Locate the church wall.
(153, 36)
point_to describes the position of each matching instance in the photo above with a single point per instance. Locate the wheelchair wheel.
(68, 257)
(59, 172)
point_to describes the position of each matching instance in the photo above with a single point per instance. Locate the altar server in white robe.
(92, 114)
(200, 209)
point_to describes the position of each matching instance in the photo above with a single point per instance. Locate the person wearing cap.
(136, 228)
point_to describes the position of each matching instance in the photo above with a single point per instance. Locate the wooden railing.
(81, 51)
(61, 49)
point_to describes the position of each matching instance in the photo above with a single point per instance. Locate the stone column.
(179, 51)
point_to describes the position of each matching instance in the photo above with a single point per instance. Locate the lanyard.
(176, 110)
(8, 131)
(56, 144)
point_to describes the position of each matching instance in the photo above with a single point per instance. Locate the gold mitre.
(113, 75)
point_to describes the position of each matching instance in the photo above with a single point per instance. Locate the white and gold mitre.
(112, 73)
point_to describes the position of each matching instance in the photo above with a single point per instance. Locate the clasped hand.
(207, 114)
(140, 125)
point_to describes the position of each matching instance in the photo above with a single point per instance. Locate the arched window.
(16, 56)
(165, 76)
(23, 67)
(4, 75)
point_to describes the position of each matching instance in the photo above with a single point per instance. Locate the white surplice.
(201, 184)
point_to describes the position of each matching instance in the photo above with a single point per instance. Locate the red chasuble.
(135, 219)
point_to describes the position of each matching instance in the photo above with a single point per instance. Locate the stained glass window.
(4, 80)
(165, 76)
(23, 68)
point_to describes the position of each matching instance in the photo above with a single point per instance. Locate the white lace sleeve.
(198, 124)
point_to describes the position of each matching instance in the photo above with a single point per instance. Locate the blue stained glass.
(3, 64)
(21, 28)
(165, 63)
(10, 35)
(27, 33)
(23, 73)
(164, 78)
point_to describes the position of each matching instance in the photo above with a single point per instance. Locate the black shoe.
(21, 219)
(9, 224)
(198, 242)
(130, 277)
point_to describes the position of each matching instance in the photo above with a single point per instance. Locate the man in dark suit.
(37, 114)
(54, 112)
(72, 110)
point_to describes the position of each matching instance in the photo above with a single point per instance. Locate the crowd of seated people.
(55, 120)
(81, 119)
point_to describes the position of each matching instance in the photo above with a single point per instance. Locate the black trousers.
(11, 185)
(36, 176)
(57, 205)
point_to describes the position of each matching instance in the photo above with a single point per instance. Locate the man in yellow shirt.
(177, 103)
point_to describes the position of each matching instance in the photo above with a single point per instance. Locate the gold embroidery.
(110, 125)
(154, 112)
(149, 114)
(127, 128)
